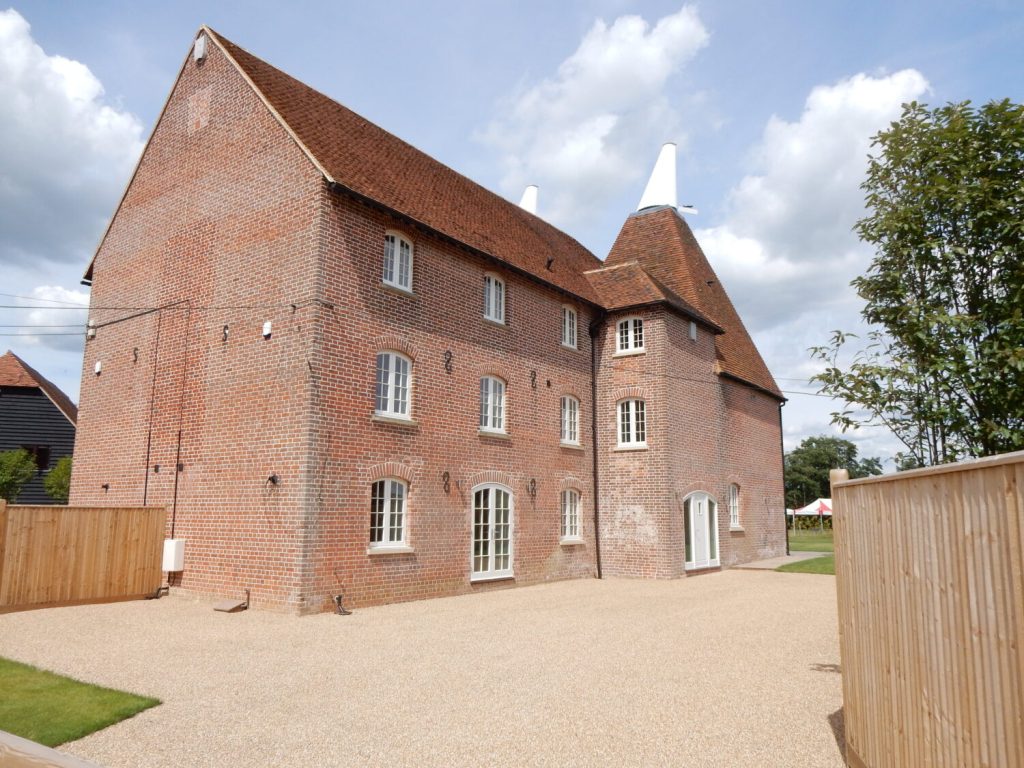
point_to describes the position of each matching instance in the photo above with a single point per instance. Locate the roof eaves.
(338, 187)
(777, 395)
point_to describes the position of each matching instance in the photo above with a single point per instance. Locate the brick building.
(344, 367)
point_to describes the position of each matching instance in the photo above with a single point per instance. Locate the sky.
(772, 105)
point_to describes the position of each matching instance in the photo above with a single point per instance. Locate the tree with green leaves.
(943, 368)
(57, 481)
(807, 467)
(16, 469)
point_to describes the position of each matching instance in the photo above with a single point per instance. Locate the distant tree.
(944, 367)
(16, 469)
(57, 481)
(808, 465)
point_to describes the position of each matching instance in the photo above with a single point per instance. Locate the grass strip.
(824, 564)
(52, 709)
(811, 541)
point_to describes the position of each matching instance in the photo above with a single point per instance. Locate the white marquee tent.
(822, 507)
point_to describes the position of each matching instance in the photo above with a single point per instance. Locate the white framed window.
(630, 336)
(568, 326)
(397, 261)
(632, 424)
(570, 420)
(693, 331)
(570, 515)
(492, 404)
(491, 555)
(494, 298)
(387, 513)
(394, 384)
(734, 506)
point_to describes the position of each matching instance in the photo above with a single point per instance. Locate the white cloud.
(66, 153)
(788, 233)
(594, 126)
(786, 250)
(54, 321)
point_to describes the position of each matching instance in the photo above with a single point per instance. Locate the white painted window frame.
(631, 423)
(570, 431)
(734, 507)
(390, 503)
(493, 413)
(491, 572)
(494, 298)
(570, 327)
(570, 503)
(386, 383)
(393, 261)
(629, 336)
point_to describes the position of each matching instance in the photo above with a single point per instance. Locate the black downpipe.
(152, 400)
(181, 414)
(782, 456)
(594, 329)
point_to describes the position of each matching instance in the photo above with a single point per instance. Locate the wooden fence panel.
(54, 555)
(930, 580)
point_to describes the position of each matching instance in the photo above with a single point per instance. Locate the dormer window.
(397, 262)
(494, 298)
(630, 336)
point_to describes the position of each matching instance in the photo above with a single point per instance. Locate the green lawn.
(810, 541)
(823, 564)
(51, 709)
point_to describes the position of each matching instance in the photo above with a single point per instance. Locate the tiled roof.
(661, 242)
(373, 164)
(623, 286)
(15, 372)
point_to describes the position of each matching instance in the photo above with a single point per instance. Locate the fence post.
(838, 476)
(3, 543)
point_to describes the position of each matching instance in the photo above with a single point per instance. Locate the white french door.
(700, 521)
(491, 556)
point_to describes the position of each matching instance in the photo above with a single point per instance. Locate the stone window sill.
(498, 323)
(397, 421)
(496, 435)
(628, 448)
(573, 542)
(630, 353)
(736, 529)
(478, 579)
(571, 446)
(398, 290)
(390, 550)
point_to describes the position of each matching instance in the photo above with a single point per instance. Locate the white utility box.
(174, 555)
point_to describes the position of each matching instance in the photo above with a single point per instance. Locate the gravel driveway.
(737, 668)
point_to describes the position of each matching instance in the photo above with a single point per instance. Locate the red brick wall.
(704, 432)
(220, 217)
(634, 510)
(725, 432)
(444, 315)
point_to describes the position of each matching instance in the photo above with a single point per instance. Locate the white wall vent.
(199, 49)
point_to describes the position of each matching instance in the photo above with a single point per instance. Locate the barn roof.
(15, 372)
